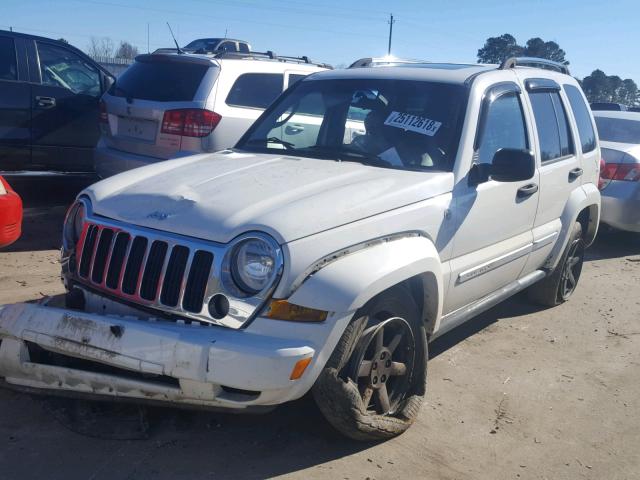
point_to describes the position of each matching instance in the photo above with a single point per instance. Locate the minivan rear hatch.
(138, 102)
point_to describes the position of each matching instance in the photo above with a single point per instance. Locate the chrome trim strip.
(543, 241)
(494, 263)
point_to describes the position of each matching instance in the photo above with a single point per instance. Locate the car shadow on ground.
(614, 244)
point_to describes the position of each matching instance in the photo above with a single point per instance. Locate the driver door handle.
(527, 190)
(45, 102)
(575, 173)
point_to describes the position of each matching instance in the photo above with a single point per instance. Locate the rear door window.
(161, 81)
(255, 90)
(583, 118)
(552, 125)
(8, 64)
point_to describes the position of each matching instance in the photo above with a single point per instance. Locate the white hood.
(219, 196)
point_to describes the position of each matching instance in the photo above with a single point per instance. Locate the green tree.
(600, 87)
(63, 40)
(536, 47)
(496, 49)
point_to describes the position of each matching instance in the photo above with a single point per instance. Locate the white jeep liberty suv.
(319, 257)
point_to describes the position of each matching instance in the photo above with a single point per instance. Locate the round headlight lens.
(253, 265)
(73, 224)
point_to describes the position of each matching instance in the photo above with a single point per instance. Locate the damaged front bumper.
(72, 351)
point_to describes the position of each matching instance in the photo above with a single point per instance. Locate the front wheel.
(560, 284)
(374, 383)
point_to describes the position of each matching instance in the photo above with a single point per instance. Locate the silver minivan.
(170, 105)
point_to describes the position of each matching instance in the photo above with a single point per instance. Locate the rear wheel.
(562, 282)
(373, 385)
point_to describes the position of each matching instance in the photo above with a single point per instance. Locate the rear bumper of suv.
(43, 347)
(110, 161)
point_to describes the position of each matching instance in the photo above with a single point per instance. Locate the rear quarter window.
(160, 81)
(583, 118)
(255, 90)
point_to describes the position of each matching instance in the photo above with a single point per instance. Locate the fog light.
(218, 306)
(299, 368)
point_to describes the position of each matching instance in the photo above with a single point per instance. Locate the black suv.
(49, 93)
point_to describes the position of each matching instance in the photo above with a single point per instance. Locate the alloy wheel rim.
(382, 365)
(572, 269)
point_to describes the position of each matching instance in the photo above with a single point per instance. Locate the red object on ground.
(10, 214)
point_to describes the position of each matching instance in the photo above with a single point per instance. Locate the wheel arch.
(583, 205)
(348, 283)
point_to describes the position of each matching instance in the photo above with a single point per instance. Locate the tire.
(558, 286)
(343, 385)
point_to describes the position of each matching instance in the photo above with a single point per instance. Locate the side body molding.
(347, 283)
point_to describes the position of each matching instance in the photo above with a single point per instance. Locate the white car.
(620, 177)
(170, 105)
(325, 262)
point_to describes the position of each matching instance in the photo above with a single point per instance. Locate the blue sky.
(594, 33)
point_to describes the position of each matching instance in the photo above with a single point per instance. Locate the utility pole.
(148, 50)
(391, 22)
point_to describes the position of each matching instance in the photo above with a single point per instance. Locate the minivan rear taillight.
(626, 172)
(190, 122)
(102, 116)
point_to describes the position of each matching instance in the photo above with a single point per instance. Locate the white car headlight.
(73, 224)
(254, 265)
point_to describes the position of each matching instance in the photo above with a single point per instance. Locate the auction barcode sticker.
(414, 123)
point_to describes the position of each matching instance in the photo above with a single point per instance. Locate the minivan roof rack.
(533, 62)
(268, 55)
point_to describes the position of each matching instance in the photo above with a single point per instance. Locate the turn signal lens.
(299, 368)
(283, 310)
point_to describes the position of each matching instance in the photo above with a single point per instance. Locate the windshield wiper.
(288, 145)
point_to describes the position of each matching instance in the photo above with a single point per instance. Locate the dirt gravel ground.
(519, 392)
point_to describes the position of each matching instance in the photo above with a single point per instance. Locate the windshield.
(618, 130)
(402, 124)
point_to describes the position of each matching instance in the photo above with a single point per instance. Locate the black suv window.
(255, 90)
(8, 65)
(63, 68)
(553, 127)
(583, 118)
(161, 81)
(504, 127)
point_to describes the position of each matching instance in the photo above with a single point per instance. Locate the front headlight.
(73, 223)
(254, 264)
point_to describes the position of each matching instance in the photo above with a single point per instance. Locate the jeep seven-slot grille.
(145, 270)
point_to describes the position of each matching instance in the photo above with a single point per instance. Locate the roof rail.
(268, 55)
(534, 62)
(383, 62)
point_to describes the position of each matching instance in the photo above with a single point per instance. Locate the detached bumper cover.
(210, 366)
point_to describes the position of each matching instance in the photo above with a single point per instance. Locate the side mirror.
(512, 165)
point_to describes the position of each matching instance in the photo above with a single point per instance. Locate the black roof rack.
(268, 55)
(534, 62)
